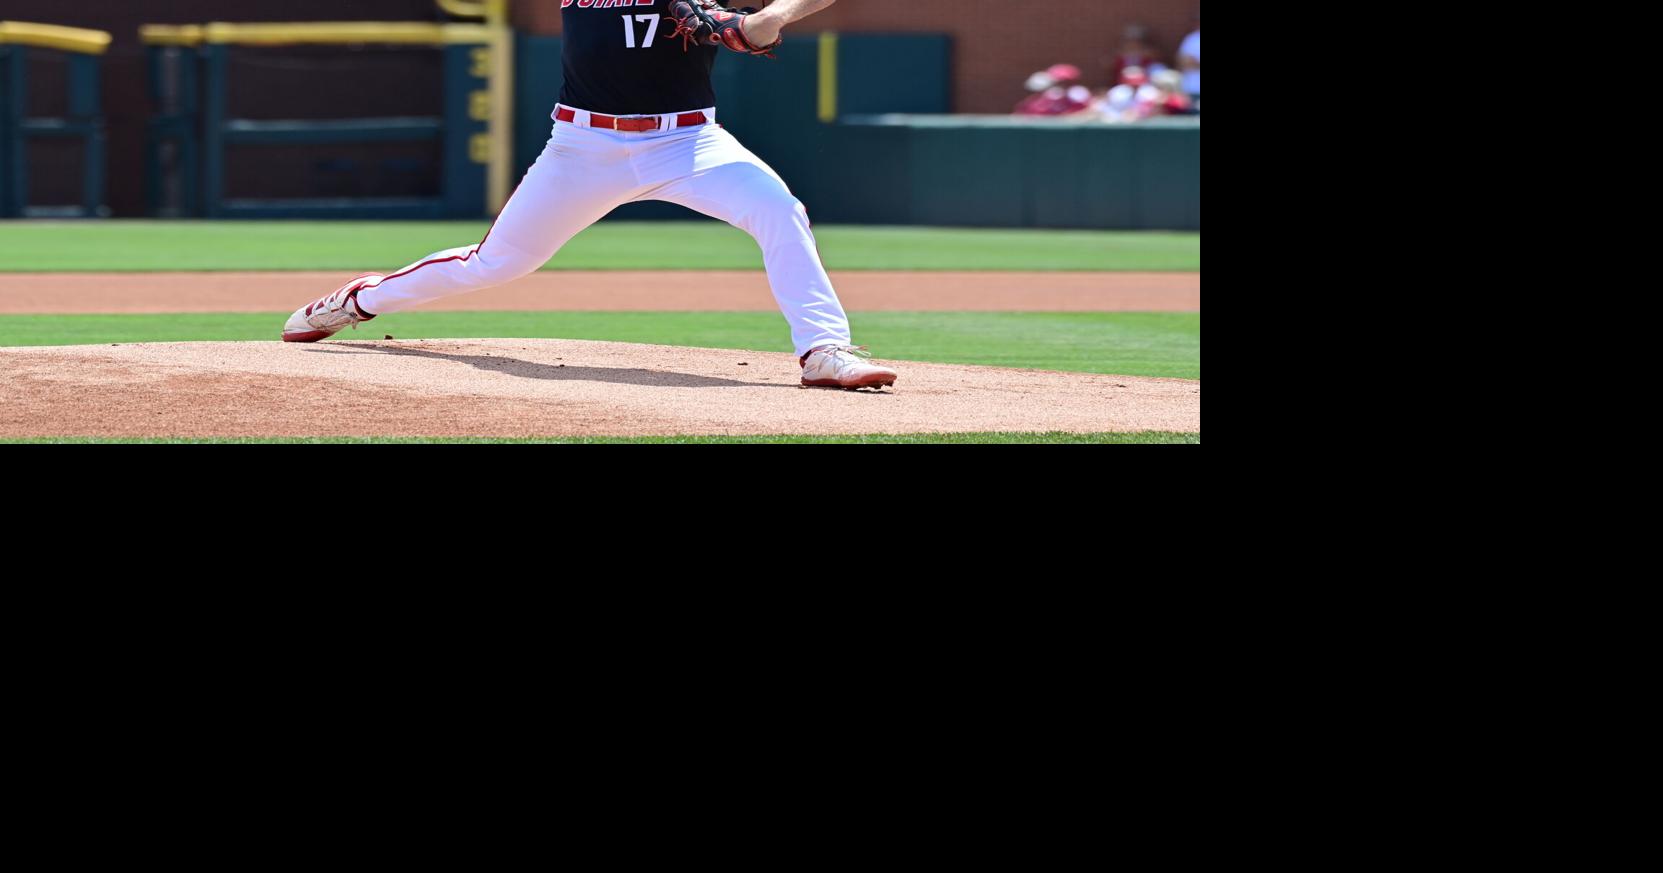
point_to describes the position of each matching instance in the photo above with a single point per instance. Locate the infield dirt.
(520, 387)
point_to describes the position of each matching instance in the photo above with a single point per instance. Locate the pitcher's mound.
(525, 387)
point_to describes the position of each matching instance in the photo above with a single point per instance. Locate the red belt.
(633, 125)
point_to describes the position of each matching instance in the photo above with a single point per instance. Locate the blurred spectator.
(1134, 52)
(1189, 60)
(1173, 99)
(1057, 91)
(1134, 99)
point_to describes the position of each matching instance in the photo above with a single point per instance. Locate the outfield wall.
(997, 44)
(291, 85)
(772, 107)
(918, 168)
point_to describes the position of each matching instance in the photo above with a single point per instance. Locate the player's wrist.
(762, 28)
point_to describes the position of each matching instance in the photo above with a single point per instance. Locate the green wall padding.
(926, 169)
(901, 72)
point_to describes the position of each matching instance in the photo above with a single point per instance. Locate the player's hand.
(707, 22)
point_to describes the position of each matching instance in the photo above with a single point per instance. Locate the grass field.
(1129, 343)
(1133, 344)
(153, 246)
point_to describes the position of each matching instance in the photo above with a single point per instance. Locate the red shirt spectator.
(1058, 92)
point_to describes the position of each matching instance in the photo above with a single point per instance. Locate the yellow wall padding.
(320, 33)
(64, 39)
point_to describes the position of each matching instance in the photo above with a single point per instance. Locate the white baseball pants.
(586, 172)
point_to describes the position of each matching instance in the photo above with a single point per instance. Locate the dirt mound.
(521, 387)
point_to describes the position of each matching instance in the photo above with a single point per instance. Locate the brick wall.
(996, 44)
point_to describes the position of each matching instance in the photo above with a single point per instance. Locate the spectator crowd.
(1140, 84)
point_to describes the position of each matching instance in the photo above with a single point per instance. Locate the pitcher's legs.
(735, 186)
(567, 190)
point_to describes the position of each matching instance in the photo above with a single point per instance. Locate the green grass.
(1109, 439)
(1126, 343)
(150, 246)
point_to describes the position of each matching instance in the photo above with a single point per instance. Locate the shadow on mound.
(552, 372)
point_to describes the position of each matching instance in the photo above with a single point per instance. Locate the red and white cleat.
(326, 317)
(847, 367)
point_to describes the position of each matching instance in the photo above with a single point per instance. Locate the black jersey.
(621, 59)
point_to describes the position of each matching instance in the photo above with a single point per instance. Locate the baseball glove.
(707, 22)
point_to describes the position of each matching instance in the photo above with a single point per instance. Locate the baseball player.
(637, 121)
